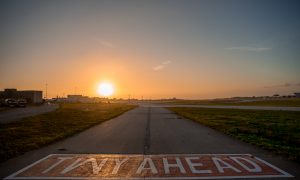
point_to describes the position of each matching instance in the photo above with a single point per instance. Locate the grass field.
(277, 131)
(292, 102)
(33, 132)
(4, 109)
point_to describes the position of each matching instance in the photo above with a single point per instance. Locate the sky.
(193, 49)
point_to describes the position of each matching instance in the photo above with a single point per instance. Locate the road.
(149, 130)
(16, 114)
(273, 108)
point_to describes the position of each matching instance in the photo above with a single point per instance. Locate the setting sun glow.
(105, 89)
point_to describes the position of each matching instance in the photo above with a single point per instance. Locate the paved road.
(273, 108)
(16, 114)
(148, 130)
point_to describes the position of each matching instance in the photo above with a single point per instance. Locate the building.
(32, 96)
(79, 98)
(297, 95)
(35, 97)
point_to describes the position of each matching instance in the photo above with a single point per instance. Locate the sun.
(105, 89)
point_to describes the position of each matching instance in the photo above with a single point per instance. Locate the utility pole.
(46, 91)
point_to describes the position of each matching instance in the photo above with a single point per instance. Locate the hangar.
(32, 96)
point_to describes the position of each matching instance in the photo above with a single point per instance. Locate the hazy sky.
(155, 49)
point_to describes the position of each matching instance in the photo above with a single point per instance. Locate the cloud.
(107, 44)
(161, 66)
(286, 85)
(246, 48)
(166, 62)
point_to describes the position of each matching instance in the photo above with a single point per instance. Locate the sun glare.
(105, 89)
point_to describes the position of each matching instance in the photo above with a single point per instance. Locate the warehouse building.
(32, 96)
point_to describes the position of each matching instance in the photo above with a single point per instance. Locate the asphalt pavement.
(272, 108)
(15, 114)
(149, 130)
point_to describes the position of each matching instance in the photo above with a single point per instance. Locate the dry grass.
(34, 132)
(278, 131)
(292, 102)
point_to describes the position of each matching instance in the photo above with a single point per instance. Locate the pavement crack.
(147, 132)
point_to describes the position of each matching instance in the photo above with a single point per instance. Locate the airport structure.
(32, 96)
(78, 98)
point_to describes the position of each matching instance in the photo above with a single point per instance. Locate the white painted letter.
(77, 163)
(256, 167)
(192, 165)
(61, 159)
(218, 162)
(151, 166)
(178, 164)
(118, 165)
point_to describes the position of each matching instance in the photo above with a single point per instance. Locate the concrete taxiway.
(148, 131)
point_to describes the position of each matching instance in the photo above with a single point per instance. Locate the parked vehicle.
(10, 102)
(22, 102)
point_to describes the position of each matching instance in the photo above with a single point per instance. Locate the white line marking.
(158, 178)
(274, 167)
(284, 174)
(27, 167)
